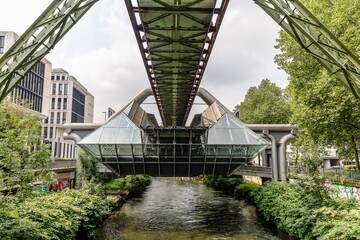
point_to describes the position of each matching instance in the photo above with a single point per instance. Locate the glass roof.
(120, 130)
(229, 130)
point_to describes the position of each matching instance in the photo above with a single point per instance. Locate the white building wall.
(60, 78)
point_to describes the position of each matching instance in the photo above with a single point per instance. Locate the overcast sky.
(102, 53)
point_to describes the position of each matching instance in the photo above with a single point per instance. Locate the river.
(186, 210)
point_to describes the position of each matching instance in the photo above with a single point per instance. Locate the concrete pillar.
(282, 153)
(274, 160)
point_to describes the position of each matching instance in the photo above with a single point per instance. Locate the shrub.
(247, 191)
(53, 216)
(135, 185)
(304, 209)
(282, 203)
(221, 183)
(116, 184)
(340, 224)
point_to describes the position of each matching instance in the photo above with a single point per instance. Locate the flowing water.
(181, 210)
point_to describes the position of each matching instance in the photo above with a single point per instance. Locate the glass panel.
(108, 150)
(239, 151)
(197, 150)
(126, 122)
(230, 130)
(151, 150)
(137, 150)
(224, 150)
(108, 135)
(93, 137)
(124, 149)
(125, 135)
(93, 149)
(136, 137)
(211, 150)
(115, 122)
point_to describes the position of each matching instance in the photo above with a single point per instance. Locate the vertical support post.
(282, 153)
(274, 159)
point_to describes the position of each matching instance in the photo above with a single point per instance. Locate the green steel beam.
(38, 40)
(316, 39)
(175, 39)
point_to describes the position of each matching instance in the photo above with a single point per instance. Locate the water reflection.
(176, 210)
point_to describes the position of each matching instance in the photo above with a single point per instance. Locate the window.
(63, 77)
(59, 103)
(52, 118)
(65, 89)
(2, 44)
(51, 132)
(78, 107)
(45, 132)
(65, 103)
(52, 77)
(58, 118)
(55, 149)
(54, 89)
(64, 117)
(60, 89)
(57, 77)
(52, 103)
(65, 150)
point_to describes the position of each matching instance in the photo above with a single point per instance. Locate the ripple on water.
(174, 210)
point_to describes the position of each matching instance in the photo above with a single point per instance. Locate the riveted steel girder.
(175, 38)
(316, 39)
(38, 40)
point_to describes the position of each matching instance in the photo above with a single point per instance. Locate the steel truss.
(175, 39)
(316, 39)
(38, 40)
(159, 60)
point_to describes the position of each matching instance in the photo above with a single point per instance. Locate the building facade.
(34, 90)
(70, 102)
(58, 98)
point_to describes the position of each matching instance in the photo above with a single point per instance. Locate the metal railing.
(341, 174)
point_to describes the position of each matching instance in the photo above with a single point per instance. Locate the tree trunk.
(356, 153)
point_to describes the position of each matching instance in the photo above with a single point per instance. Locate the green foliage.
(349, 167)
(337, 223)
(221, 183)
(323, 108)
(266, 103)
(89, 169)
(53, 216)
(282, 203)
(306, 210)
(23, 156)
(247, 191)
(116, 184)
(135, 185)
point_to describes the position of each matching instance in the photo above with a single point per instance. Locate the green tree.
(23, 156)
(266, 103)
(325, 110)
(89, 168)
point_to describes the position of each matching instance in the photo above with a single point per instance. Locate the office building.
(70, 102)
(34, 90)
